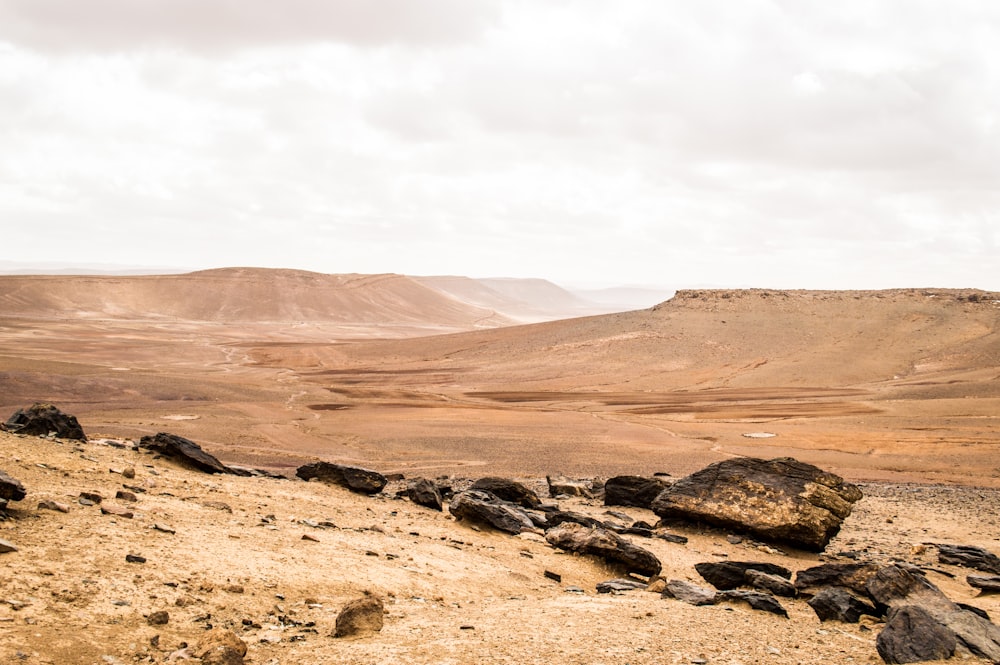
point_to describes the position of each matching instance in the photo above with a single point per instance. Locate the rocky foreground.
(119, 552)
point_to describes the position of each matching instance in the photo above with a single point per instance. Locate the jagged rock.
(185, 451)
(632, 491)
(11, 489)
(605, 544)
(480, 506)
(975, 610)
(839, 604)
(969, 556)
(775, 584)
(561, 485)
(689, 593)
(986, 584)
(41, 419)
(912, 635)
(853, 576)
(757, 600)
(508, 490)
(360, 616)
(6, 546)
(356, 479)
(780, 500)
(557, 517)
(425, 493)
(725, 575)
(619, 585)
(221, 647)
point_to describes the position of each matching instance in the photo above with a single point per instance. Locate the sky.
(777, 144)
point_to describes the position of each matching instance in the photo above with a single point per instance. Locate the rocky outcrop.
(183, 450)
(604, 544)
(839, 604)
(632, 491)
(42, 419)
(354, 478)
(853, 576)
(912, 635)
(563, 486)
(985, 583)
(781, 500)
(508, 490)
(487, 508)
(969, 556)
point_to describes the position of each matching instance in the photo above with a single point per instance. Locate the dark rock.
(986, 584)
(183, 450)
(781, 500)
(425, 493)
(969, 556)
(356, 479)
(560, 485)
(135, 558)
(160, 618)
(725, 575)
(49, 504)
(605, 544)
(41, 419)
(619, 585)
(479, 506)
(671, 537)
(632, 491)
(125, 495)
(557, 517)
(757, 600)
(508, 490)
(555, 577)
(853, 576)
(689, 593)
(978, 611)
(221, 647)
(775, 584)
(839, 604)
(93, 497)
(360, 617)
(912, 635)
(10, 488)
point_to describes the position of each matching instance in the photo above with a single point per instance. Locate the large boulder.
(486, 508)
(780, 500)
(508, 490)
(424, 492)
(183, 450)
(354, 478)
(912, 635)
(11, 489)
(632, 491)
(42, 419)
(605, 544)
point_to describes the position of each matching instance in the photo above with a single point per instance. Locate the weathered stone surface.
(41, 419)
(221, 647)
(839, 604)
(764, 602)
(632, 491)
(605, 544)
(781, 500)
(7, 546)
(11, 488)
(619, 585)
(912, 636)
(853, 576)
(425, 493)
(116, 511)
(479, 506)
(725, 575)
(969, 556)
(183, 450)
(356, 479)
(775, 584)
(561, 485)
(689, 593)
(49, 504)
(985, 583)
(508, 490)
(557, 517)
(361, 616)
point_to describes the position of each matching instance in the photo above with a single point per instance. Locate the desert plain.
(895, 390)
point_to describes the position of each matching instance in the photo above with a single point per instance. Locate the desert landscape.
(897, 391)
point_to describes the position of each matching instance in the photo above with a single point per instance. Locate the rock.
(354, 478)
(221, 647)
(839, 604)
(605, 544)
(726, 575)
(986, 584)
(49, 504)
(10, 488)
(689, 593)
(757, 600)
(217, 505)
(117, 511)
(134, 558)
(561, 485)
(7, 546)
(125, 495)
(912, 635)
(160, 618)
(632, 491)
(969, 556)
(128, 472)
(479, 506)
(41, 419)
(619, 585)
(360, 617)
(557, 517)
(781, 500)
(425, 493)
(775, 584)
(508, 490)
(93, 497)
(853, 576)
(183, 450)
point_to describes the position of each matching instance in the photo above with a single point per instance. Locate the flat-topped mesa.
(794, 299)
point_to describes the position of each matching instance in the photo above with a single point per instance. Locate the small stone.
(6, 546)
(164, 528)
(49, 504)
(135, 558)
(117, 511)
(93, 497)
(311, 538)
(128, 472)
(124, 495)
(360, 616)
(160, 618)
(556, 577)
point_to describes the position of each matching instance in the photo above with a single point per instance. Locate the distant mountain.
(625, 297)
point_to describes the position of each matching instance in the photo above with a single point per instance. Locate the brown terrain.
(897, 390)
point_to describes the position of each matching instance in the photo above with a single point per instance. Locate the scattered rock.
(775, 584)
(7, 546)
(221, 647)
(217, 505)
(41, 419)
(183, 450)
(986, 584)
(689, 593)
(164, 528)
(508, 490)
(757, 600)
(912, 635)
(160, 618)
(619, 585)
(424, 492)
(49, 504)
(726, 575)
(128, 472)
(359, 617)
(557, 517)
(354, 478)
(553, 576)
(10, 488)
(605, 544)
(632, 491)
(780, 500)
(853, 576)
(93, 497)
(135, 558)
(117, 511)
(839, 604)
(969, 556)
(479, 506)
(125, 495)
(561, 485)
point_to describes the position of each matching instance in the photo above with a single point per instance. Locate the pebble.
(49, 504)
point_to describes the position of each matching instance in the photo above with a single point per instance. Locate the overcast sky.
(794, 144)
